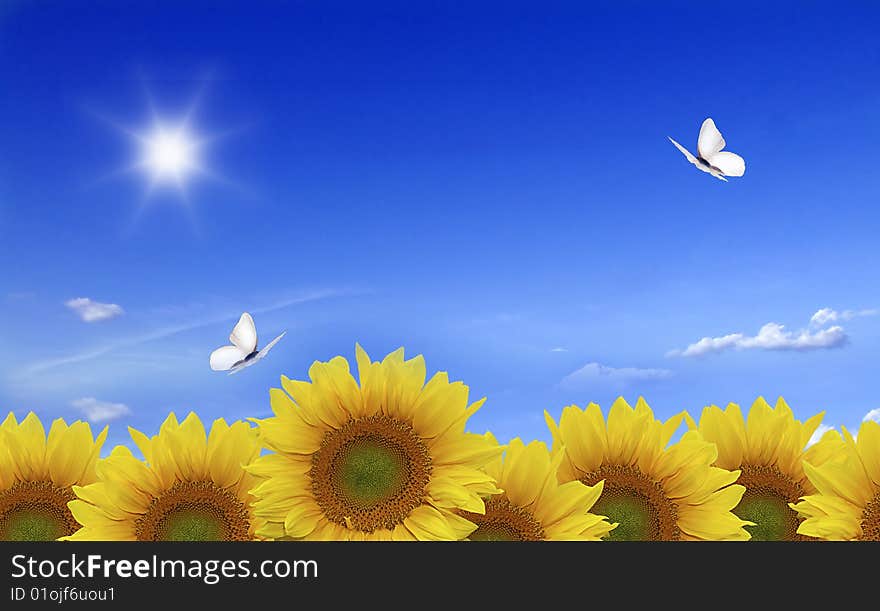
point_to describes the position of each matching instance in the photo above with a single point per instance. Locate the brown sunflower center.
(370, 473)
(765, 502)
(504, 521)
(36, 511)
(636, 502)
(194, 511)
(871, 520)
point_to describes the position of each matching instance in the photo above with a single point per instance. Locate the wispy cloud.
(826, 315)
(773, 336)
(498, 318)
(94, 311)
(164, 332)
(592, 372)
(20, 295)
(100, 411)
(558, 349)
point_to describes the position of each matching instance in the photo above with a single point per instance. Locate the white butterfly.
(710, 157)
(243, 351)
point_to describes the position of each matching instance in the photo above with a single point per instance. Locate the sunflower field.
(387, 456)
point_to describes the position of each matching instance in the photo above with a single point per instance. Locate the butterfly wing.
(259, 355)
(225, 357)
(730, 164)
(710, 141)
(244, 334)
(268, 346)
(243, 365)
(684, 152)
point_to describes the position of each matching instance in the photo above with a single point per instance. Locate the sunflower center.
(36, 511)
(765, 502)
(871, 520)
(504, 521)
(370, 473)
(194, 511)
(636, 502)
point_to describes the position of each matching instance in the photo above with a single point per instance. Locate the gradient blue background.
(480, 184)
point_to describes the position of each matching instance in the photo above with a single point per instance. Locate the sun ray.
(197, 97)
(148, 97)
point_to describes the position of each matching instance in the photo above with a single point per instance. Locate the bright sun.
(170, 154)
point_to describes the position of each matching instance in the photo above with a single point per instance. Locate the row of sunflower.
(390, 458)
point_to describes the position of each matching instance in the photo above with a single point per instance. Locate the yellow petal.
(229, 450)
(439, 406)
(570, 499)
(444, 492)
(302, 520)
(584, 437)
(724, 430)
(554, 432)
(427, 524)
(402, 533)
(288, 431)
(525, 471)
(465, 449)
(845, 478)
(869, 449)
(27, 447)
(68, 453)
(278, 465)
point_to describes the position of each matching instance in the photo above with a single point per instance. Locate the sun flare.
(169, 151)
(170, 154)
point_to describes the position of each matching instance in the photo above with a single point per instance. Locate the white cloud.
(709, 344)
(100, 411)
(771, 336)
(558, 349)
(824, 316)
(817, 434)
(827, 315)
(94, 311)
(874, 415)
(596, 371)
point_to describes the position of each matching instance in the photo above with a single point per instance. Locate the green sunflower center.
(370, 473)
(192, 525)
(765, 502)
(194, 511)
(871, 520)
(36, 511)
(636, 502)
(504, 521)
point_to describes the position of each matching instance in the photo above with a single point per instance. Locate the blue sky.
(490, 186)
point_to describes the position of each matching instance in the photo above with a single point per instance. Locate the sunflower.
(534, 505)
(192, 487)
(384, 459)
(652, 491)
(846, 505)
(768, 450)
(37, 475)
